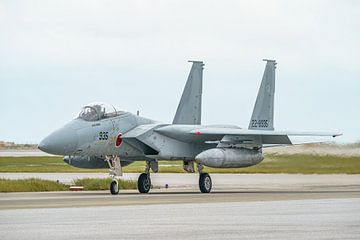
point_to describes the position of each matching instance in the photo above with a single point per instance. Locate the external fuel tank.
(229, 157)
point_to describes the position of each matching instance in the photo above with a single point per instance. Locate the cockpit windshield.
(98, 111)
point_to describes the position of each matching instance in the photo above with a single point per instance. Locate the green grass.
(39, 164)
(273, 163)
(31, 185)
(304, 164)
(40, 185)
(103, 184)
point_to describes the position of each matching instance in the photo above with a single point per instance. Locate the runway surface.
(162, 196)
(23, 153)
(245, 206)
(237, 181)
(182, 215)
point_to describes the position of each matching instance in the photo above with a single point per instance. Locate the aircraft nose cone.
(61, 142)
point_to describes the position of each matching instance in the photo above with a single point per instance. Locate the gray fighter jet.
(104, 137)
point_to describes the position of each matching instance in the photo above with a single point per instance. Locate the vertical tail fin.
(263, 113)
(189, 108)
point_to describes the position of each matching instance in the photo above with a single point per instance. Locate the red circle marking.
(118, 140)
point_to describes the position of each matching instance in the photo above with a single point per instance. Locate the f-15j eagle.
(103, 137)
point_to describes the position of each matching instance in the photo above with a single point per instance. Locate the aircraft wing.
(240, 131)
(234, 135)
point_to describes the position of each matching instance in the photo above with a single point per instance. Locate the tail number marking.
(259, 123)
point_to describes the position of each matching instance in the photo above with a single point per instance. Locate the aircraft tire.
(205, 183)
(114, 187)
(144, 183)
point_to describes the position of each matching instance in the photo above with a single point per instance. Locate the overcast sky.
(56, 56)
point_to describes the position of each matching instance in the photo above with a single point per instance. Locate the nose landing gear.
(115, 170)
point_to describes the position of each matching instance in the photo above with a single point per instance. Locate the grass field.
(40, 185)
(103, 184)
(273, 163)
(31, 185)
(298, 163)
(39, 164)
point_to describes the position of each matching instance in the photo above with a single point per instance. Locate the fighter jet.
(105, 137)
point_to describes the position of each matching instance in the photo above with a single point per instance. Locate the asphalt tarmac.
(162, 196)
(23, 153)
(181, 215)
(240, 207)
(221, 181)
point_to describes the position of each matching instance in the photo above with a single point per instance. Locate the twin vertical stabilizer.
(189, 108)
(263, 113)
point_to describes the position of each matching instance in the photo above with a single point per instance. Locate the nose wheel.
(114, 187)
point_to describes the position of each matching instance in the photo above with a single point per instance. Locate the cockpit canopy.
(97, 111)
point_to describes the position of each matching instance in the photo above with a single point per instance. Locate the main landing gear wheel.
(114, 187)
(205, 183)
(144, 183)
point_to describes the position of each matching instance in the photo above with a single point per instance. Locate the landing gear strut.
(144, 181)
(205, 183)
(115, 170)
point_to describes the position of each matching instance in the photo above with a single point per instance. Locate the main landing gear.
(144, 181)
(205, 183)
(115, 171)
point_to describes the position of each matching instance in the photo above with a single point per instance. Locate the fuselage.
(115, 136)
